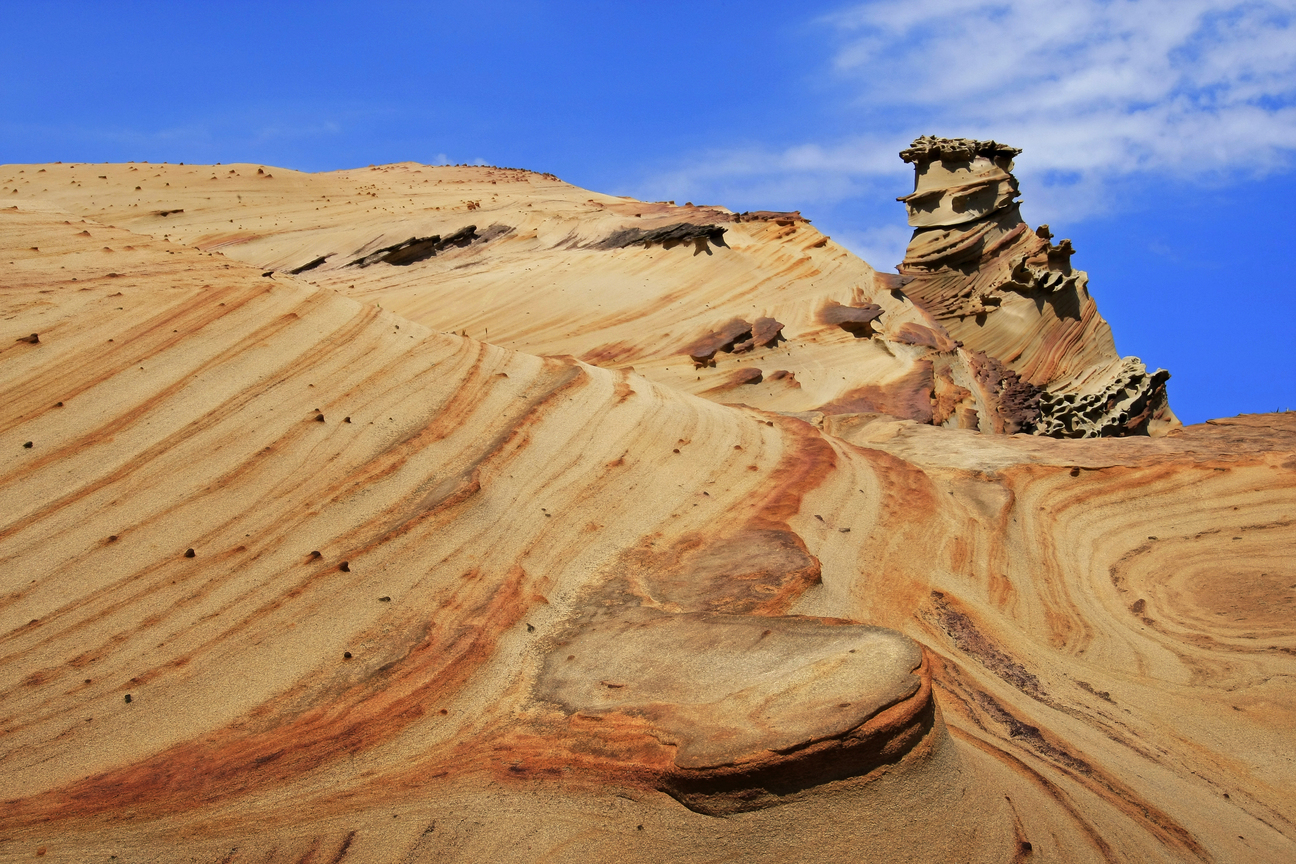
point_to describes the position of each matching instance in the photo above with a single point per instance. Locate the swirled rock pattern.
(287, 576)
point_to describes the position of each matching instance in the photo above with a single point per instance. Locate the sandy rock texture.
(986, 326)
(292, 569)
(1012, 299)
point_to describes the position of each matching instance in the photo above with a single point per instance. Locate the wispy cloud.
(1095, 91)
(1111, 86)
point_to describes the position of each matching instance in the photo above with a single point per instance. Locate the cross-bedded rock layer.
(626, 284)
(378, 592)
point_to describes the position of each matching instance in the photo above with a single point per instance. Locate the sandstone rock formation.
(1010, 293)
(289, 571)
(987, 326)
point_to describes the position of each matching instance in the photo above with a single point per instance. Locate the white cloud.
(763, 177)
(882, 245)
(1094, 91)
(1109, 86)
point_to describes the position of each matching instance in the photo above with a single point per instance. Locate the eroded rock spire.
(1009, 294)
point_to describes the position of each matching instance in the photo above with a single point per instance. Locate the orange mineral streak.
(282, 740)
(748, 562)
(810, 461)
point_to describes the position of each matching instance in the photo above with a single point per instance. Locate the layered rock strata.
(658, 288)
(286, 576)
(1012, 294)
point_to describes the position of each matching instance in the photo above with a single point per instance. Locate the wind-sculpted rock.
(749, 711)
(724, 338)
(604, 280)
(779, 216)
(411, 251)
(764, 333)
(1120, 400)
(309, 265)
(1015, 403)
(734, 337)
(1011, 294)
(700, 236)
(291, 570)
(856, 320)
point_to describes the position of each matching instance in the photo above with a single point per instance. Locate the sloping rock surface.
(657, 288)
(287, 576)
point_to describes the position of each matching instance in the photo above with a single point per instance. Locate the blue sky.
(1159, 135)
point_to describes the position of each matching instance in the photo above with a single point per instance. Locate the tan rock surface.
(1072, 650)
(698, 298)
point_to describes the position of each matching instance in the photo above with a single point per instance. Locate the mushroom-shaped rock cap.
(958, 180)
(929, 148)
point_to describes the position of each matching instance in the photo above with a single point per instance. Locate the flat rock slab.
(729, 690)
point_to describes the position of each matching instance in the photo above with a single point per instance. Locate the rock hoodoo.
(1012, 294)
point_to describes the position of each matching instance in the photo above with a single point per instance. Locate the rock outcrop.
(1011, 293)
(407, 252)
(658, 288)
(287, 576)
